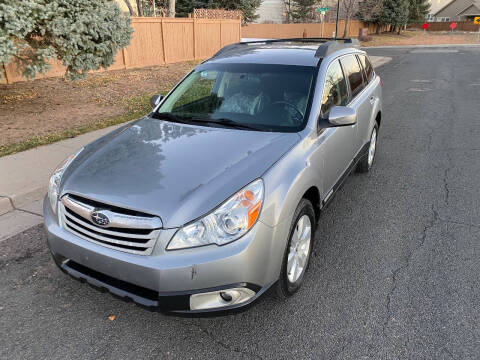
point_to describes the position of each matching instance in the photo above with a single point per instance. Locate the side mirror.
(340, 116)
(155, 100)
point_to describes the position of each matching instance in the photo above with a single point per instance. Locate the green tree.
(395, 13)
(418, 11)
(83, 34)
(303, 10)
(185, 7)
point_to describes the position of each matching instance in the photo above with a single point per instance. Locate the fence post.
(194, 38)
(220, 34)
(163, 40)
(124, 58)
(240, 30)
(5, 74)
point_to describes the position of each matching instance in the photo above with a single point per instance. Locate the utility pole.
(336, 23)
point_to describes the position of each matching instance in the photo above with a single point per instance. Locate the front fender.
(288, 180)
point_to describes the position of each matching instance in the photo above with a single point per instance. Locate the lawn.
(47, 110)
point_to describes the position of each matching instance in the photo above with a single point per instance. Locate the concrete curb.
(378, 61)
(5, 205)
(24, 198)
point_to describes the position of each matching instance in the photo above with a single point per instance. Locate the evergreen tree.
(83, 34)
(418, 11)
(185, 7)
(303, 10)
(395, 13)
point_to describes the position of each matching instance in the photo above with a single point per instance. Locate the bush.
(83, 34)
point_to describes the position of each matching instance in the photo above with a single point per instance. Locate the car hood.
(178, 172)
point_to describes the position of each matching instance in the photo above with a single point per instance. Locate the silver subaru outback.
(213, 198)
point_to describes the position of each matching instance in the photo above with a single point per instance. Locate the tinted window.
(335, 91)
(353, 73)
(367, 67)
(270, 97)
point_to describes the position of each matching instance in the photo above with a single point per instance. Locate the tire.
(289, 283)
(367, 161)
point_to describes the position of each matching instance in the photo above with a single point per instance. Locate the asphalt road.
(395, 273)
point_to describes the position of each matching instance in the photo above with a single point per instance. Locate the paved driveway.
(395, 273)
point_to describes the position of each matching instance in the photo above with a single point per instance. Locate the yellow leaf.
(111, 317)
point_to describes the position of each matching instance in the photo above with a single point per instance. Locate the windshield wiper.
(228, 123)
(171, 117)
(196, 120)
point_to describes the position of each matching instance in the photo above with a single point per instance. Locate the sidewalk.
(24, 179)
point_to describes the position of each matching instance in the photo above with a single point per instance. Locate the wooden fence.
(158, 41)
(283, 31)
(445, 26)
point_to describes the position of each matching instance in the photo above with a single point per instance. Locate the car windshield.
(251, 96)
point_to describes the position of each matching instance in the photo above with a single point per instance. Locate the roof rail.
(328, 46)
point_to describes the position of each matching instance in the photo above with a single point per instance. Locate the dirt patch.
(53, 105)
(421, 38)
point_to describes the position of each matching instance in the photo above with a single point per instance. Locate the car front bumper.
(166, 280)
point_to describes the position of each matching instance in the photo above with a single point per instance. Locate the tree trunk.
(345, 32)
(129, 6)
(171, 8)
(139, 8)
(377, 31)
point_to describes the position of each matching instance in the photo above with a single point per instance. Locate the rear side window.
(335, 92)
(367, 67)
(353, 73)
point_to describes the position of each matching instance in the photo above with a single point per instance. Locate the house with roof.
(458, 10)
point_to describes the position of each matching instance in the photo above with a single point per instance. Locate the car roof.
(300, 52)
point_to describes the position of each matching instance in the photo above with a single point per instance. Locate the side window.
(353, 73)
(367, 67)
(335, 92)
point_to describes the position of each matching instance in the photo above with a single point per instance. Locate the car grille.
(126, 231)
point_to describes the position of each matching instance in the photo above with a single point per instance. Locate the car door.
(337, 142)
(369, 100)
(360, 97)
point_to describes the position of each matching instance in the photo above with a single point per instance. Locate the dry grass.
(421, 38)
(47, 110)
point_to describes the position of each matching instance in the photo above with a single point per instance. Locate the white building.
(274, 11)
(271, 11)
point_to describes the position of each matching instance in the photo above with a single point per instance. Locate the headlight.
(233, 219)
(53, 185)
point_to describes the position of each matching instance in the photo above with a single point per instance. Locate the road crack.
(445, 180)
(434, 218)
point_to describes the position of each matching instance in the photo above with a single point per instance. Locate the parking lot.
(396, 265)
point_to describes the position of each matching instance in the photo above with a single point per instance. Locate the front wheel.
(367, 161)
(297, 253)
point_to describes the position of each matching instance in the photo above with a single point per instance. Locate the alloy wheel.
(299, 249)
(371, 149)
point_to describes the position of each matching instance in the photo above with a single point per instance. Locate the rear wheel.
(367, 162)
(297, 253)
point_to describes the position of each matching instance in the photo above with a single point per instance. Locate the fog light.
(226, 296)
(219, 299)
